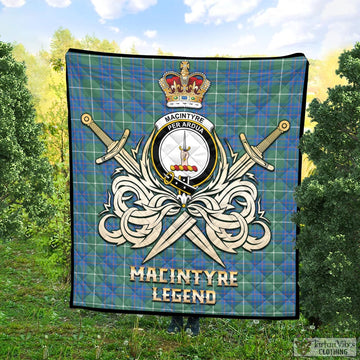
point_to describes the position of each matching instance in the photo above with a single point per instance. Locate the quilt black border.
(302, 123)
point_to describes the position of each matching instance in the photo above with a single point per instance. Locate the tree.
(25, 174)
(61, 42)
(163, 53)
(323, 75)
(329, 202)
(133, 50)
(51, 109)
(95, 44)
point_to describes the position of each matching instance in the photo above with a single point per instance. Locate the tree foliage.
(46, 73)
(25, 174)
(63, 40)
(53, 112)
(323, 76)
(329, 202)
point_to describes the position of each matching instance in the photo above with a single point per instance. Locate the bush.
(25, 174)
(329, 202)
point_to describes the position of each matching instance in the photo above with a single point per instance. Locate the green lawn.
(37, 323)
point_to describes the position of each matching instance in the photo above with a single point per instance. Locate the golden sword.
(254, 154)
(115, 149)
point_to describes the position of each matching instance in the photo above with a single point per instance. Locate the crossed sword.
(185, 224)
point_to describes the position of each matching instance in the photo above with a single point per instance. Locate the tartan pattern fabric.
(246, 95)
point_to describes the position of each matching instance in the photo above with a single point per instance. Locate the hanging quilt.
(182, 180)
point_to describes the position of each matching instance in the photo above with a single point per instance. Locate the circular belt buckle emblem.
(184, 152)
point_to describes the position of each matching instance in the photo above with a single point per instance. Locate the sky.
(189, 27)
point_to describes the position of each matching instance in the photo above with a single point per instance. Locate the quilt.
(182, 178)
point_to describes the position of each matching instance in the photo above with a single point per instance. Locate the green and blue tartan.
(247, 95)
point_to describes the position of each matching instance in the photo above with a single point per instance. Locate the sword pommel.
(86, 119)
(284, 126)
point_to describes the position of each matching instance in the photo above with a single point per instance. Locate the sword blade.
(184, 225)
(241, 167)
(200, 240)
(184, 142)
(128, 162)
(177, 229)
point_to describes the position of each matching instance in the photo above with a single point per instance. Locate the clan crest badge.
(178, 163)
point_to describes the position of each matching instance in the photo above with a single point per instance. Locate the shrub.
(329, 202)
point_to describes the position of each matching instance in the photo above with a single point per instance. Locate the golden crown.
(184, 89)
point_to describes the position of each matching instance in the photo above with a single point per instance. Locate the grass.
(37, 323)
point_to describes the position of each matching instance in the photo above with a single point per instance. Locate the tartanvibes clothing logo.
(186, 173)
(342, 347)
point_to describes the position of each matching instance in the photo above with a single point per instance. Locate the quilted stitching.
(247, 96)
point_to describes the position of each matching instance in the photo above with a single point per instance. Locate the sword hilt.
(87, 120)
(113, 147)
(282, 127)
(256, 152)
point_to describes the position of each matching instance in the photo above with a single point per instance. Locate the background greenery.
(329, 202)
(35, 319)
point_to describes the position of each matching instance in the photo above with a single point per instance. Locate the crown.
(184, 89)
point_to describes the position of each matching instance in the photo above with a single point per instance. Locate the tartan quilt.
(182, 180)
